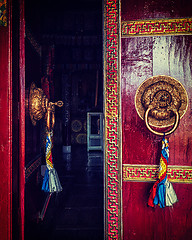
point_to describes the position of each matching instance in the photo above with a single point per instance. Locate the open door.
(142, 40)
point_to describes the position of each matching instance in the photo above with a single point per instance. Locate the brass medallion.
(161, 101)
(40, 107)
(38, 103)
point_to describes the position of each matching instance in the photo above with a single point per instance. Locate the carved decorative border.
(156, 27)
(148, 173)
(32, 167)
(3, 13)
(112, 119)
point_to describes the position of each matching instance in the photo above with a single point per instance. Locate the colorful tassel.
(51, 181)
(162, 192)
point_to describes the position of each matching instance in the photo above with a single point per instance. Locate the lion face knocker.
(161, 101)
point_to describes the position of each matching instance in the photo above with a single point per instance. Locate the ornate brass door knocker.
(161, 101)
(39, 107)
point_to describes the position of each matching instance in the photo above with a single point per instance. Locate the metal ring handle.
(160, 133)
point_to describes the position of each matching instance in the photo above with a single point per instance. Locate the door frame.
(12, 153)
(22, 116)
(115, 173)
(6, 123)
(112, 120)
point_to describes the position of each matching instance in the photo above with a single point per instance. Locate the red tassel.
(152, 194)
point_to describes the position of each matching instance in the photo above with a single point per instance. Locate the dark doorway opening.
(64, 58)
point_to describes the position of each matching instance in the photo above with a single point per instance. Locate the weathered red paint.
(143, 222)
(142, 147)
(7, 126)
(147, 9)
(6, 132)
(139, 146)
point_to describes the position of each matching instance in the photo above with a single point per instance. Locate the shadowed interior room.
(63, 54)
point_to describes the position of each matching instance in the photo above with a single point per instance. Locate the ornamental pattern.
(148, 173)
(3, 13)
(156, 27)
(112, 138)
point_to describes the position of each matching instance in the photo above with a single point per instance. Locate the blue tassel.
(45, 185)
(160, 194)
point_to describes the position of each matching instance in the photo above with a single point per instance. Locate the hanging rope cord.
(162, 192)
(48, 151)
(51, 181)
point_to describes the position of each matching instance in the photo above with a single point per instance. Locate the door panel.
(142, 58)
(148, 47)
(143, 222)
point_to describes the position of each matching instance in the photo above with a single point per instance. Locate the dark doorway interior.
(64, 49)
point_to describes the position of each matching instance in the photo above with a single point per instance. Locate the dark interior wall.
(32, 74)
(74, 29)
(70, 37)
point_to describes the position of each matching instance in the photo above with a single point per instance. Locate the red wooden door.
(142, 57)
(5, 123)
(12, 118)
